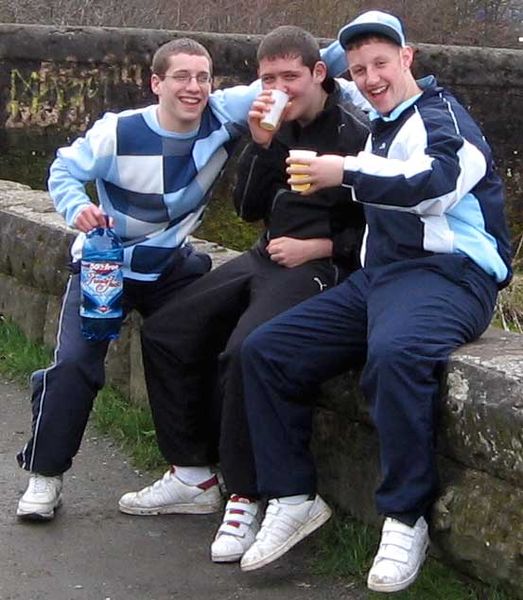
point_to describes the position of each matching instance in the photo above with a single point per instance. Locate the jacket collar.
(427, 84)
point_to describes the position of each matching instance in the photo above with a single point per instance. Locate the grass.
(509, 306)
(344, 547)
(131, 426)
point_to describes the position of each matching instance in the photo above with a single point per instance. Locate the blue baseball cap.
(373, 21)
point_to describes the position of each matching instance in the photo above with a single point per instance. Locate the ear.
(155, 83)
(407, 56)
(319, 71)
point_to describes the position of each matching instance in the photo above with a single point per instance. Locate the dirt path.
(92, 552)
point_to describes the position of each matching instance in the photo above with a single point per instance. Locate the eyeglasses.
(184, 77)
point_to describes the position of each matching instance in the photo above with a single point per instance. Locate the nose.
(280, 84)
(192, 85)
(372, 76)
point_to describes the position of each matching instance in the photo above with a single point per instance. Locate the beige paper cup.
(301, 187)
(272, 118)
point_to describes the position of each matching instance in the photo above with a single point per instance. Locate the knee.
(253, 347)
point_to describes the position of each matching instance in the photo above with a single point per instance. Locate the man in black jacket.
(192, 344)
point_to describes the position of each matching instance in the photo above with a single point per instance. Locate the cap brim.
(351, 31)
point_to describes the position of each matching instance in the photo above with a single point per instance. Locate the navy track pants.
(403, 320)
(63, 394)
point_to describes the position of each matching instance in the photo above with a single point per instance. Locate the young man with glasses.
(153, 169)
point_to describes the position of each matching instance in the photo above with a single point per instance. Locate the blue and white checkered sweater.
(153, 182)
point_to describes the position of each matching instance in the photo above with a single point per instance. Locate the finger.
(263, 106)
(298, 161)
(299, 180)
(298, 170)
(102, 219)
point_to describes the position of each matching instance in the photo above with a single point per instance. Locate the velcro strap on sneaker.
(397, 538)
(393, 553)
(234, 530)
(250, 508)
(245, 518)
(397, 527)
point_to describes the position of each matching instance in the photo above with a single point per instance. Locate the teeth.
(190, 100)
(378, 91)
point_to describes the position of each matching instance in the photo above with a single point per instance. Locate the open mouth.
(189, 101)
(379, 91)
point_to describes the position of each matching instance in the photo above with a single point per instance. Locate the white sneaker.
(169, 495)
(238, 530)
(400, 555)
(41, 498)
(283, 527)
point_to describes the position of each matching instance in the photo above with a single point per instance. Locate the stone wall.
(63, 78)
(477, 521)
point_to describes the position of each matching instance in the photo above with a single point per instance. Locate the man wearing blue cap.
(435, 253)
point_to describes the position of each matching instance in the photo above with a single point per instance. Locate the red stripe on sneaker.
(205, 485)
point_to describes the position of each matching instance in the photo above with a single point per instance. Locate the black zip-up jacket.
(262, 191)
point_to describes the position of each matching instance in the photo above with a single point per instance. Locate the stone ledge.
(477, 520)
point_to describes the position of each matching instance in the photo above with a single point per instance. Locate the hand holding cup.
(266, 114)
(314, 172)
(296, 177)
(271, 119)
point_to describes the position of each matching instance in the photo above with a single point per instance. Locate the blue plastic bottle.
(101, 282)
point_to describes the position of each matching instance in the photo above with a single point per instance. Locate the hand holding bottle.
(91, 217)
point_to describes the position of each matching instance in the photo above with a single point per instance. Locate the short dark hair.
(364, 38)
(160, 63)
(290, 41)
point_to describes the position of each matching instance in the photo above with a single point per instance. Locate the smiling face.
(182, 99)
(381, 71)
(303, 87)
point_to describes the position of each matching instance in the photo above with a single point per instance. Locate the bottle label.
(102, 285)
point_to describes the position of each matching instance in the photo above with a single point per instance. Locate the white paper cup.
(272, 118)
(300, 187)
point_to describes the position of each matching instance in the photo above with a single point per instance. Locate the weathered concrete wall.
(64, 78)
(477, 521)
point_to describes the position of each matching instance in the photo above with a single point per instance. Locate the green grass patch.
(19, 357)
(345, 549)
(131, 426)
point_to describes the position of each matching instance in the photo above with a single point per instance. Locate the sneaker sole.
(172, 509)
(230, 558)
(400, 585)
(33, 515)
(308, 528)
